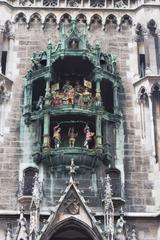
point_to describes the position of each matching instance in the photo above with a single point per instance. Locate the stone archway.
(72, 229)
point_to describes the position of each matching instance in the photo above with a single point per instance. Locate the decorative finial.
(8, 233)
(49, 44)
(108, 210)
(37, 191)
(133, 234)
(120, 225)
(108, 191)
(72, 170)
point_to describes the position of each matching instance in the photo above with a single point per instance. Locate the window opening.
(4, 61)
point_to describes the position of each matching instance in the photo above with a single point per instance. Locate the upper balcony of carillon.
(73, 88)
(72, 77)
(91, 4)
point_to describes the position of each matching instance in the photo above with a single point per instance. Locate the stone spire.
(108, 210)
(37, 191)
(8, 233)
(21, 232)
(119, 231)
(35, 207)
(133, 234)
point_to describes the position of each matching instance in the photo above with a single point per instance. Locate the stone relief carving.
(72, 205)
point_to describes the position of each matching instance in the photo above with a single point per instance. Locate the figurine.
(89, 137)
(70, 95)
(78, 93)
(57, 136)
(66, 87)
(68, 92)
(40, 103)
(86, 97)
(72, 136)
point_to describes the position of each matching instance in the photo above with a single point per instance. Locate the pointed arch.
(65, 18)
(111, 19)
(96, 18)
(75, 224)
(139, 29)
(8, 26)
(95, 22)
(144, 112)
(20, 17)
(127, 20)
(152, 26)
(81, 18)
(50, 19)
(35, 17)
(142, 94)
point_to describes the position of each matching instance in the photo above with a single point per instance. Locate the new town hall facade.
(79, 120)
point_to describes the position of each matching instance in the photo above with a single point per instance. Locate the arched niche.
(28, 176)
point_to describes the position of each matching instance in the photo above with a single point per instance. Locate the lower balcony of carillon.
(85, 154)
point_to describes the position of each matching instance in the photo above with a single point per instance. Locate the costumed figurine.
(72, 136)
(78, 93)
(40, 103)
(86, 98)
(57, 136)
(88, 137)
(68, 93)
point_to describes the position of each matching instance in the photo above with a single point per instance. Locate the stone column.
(147, 57)
(152, 124)
(98, 89)
(28, 98)
(152, 54)
(158, 53)
(1, 45)
(98, 117)
(9, 69)
(46, 134)
(115, 96)
(98, 130)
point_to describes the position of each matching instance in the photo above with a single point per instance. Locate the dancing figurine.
(72, 136)
(89, 137)
(57, 136)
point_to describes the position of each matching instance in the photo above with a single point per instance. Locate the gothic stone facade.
(130, 31)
